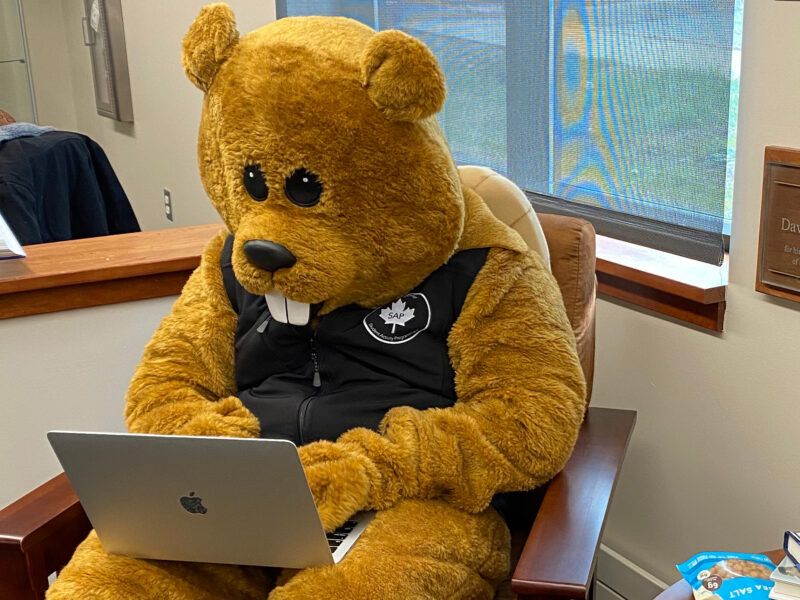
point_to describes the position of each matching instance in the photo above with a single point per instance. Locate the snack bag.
(727, 576)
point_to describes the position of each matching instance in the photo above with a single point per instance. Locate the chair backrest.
(508, 203)
(568, 243)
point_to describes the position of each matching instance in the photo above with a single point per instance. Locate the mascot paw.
(339, 477)
(228, 418)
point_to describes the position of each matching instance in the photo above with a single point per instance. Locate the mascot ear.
(208, 43)
(402, 76)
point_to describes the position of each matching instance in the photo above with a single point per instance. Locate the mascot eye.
(254, 183)
(303, 188)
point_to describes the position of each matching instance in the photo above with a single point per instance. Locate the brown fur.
(401, 77)
(361, 243)
(208, 43)
(357, 108)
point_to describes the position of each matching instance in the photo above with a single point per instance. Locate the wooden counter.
(151, 264)
(101, 270)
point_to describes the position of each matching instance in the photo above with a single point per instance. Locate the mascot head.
(320, 149)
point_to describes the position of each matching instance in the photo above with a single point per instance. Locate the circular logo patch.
(399, 321)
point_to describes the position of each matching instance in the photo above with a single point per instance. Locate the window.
(621, 111)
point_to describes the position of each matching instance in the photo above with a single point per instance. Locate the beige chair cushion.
(508, 203)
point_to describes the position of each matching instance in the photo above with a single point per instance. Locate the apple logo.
(193, 504)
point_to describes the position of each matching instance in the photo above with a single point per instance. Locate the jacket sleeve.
(185, 382)
(521, 399)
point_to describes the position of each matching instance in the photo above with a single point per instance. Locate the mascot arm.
(185, 382)
(521, 399)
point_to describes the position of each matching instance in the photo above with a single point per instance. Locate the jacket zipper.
(263, 327)
(316, 382)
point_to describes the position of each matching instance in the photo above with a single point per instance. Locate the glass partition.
(16, 94)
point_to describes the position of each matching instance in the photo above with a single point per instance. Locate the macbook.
(201, 499)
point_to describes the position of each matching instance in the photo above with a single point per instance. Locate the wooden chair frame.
(39, 532)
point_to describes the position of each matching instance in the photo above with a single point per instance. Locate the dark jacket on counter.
(60, 186)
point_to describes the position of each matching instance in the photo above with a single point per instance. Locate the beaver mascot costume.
(360, 303)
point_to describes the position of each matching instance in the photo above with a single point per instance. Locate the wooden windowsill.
(678, 287)
(152, 264)
(101, 270)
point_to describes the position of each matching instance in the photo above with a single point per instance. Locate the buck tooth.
(285, 310)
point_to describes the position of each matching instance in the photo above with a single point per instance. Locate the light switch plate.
(168, 204)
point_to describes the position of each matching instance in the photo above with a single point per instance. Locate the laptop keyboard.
(335, 538)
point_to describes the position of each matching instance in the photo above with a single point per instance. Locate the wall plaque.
(779, 238)
(104, 34)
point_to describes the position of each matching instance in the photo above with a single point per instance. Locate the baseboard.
(623, 578)
(603, 592)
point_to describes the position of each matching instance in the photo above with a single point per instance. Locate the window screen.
(620, 111)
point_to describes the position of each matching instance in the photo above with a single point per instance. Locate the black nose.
(268, 255)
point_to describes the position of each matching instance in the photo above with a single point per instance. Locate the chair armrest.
(38, 534)
(558, 560)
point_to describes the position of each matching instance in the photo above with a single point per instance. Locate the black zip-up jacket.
(60, 186)
(306, 384)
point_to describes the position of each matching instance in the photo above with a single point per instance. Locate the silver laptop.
(201, 499)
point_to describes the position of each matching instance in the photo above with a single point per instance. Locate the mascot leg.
(94, 574)
(417, 549)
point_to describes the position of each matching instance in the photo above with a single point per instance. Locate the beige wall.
(713, 463)
(66, 370)
(49, 61)
(15, 95)
(157, 151)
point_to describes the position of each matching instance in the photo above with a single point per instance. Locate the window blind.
(620, 111)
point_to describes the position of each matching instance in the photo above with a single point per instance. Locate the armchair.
(556, 529)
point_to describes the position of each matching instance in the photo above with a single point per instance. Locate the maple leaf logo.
(397, 314)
